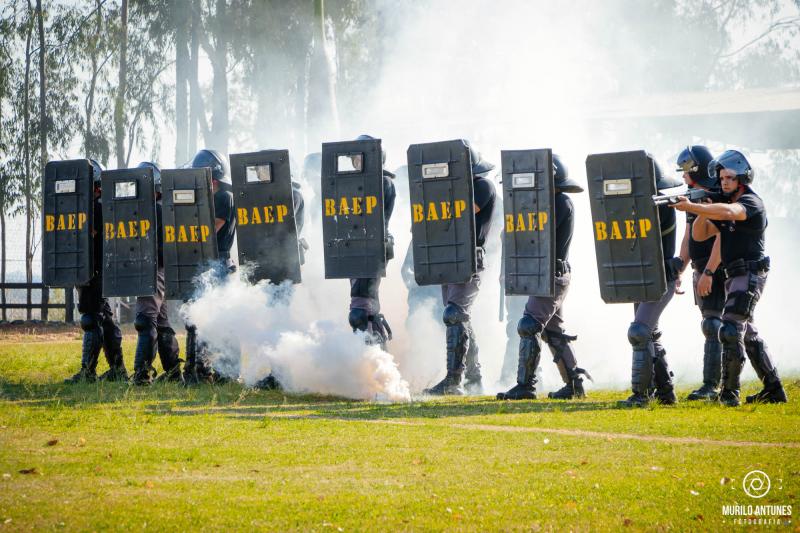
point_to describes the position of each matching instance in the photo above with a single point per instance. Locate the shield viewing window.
(617, 187)
(65, 186)
(185, 196)
(519, 181)
(259, 173)
(349, 163)
(124, 189)
(435, 170)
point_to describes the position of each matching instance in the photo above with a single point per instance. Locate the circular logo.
(756, 484)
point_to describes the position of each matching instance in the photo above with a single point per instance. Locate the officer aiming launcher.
(691, 194)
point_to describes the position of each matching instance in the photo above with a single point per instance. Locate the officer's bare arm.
(218, 223)
(703, 229)
(734, 211)
(684, 253)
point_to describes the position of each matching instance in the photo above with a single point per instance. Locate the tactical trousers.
(91, 302)
(548, 311)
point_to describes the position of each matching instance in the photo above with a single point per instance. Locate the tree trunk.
(42, 88)
(119, 102)
(219, 65)
(26, 151)
(3, 188)
(323, 115)
(90, 148)
(181, 18)
(195, 98)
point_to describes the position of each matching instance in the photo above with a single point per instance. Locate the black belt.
(741, 267)
(562, 267)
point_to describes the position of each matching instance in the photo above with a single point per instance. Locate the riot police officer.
(462, 346)
(100, 330)
(708, 280)
(741, 221)
(650, 374)
(365, 304)
(197, 368)
(543, 316)
(151, 321)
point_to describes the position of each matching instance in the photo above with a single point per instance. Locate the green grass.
(107, 456)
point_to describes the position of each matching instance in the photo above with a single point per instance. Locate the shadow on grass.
(235, 401)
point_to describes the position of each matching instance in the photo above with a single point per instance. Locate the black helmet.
(371, 138)
(97, 170)
(561, 178)
(694, 161)
(480, 166)
(663, 182)
(156, 173)
(732, 160)
(213, 160)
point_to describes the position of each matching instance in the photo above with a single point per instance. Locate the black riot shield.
(442, 213)
(130, 241)
(190, 239)
(266, 228)
(627, 236)
(353, 230)
(67, 223)
(529, 232)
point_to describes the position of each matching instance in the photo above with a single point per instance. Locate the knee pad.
(728, 333)
(710, 327)
(528, 327)
(142, 323)
(454, 314)
(89, 322)
(358, 319)
(639, 334)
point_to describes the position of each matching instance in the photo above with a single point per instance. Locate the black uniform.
(457, 298)
(152, 323)
(365, 303)
(97, 320)
(746, 269)
(649, 369)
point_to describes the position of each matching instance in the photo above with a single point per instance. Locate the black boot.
(641, 339)
(457, 340)
(190, 367)
(169, 352)
(733, 356)
(712, 362)
(90, 350)
(662, 377)
(567, 364)
(529, 355)
(473, 381)
(112, 347)
(143, 371)
(773, 391)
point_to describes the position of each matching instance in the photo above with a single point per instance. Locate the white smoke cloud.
(252, 330)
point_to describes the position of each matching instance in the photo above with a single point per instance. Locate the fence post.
(69, 300)
(45, 302)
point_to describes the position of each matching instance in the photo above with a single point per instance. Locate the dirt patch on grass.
(600, 434)
(46, 331)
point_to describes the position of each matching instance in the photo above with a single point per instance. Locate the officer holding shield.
(196, 368)
(97, 320)
(740, 221)
(543, 315)
(365, 304)
(151, 321)
(462, 347)
(708, 279)
(650, 372)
